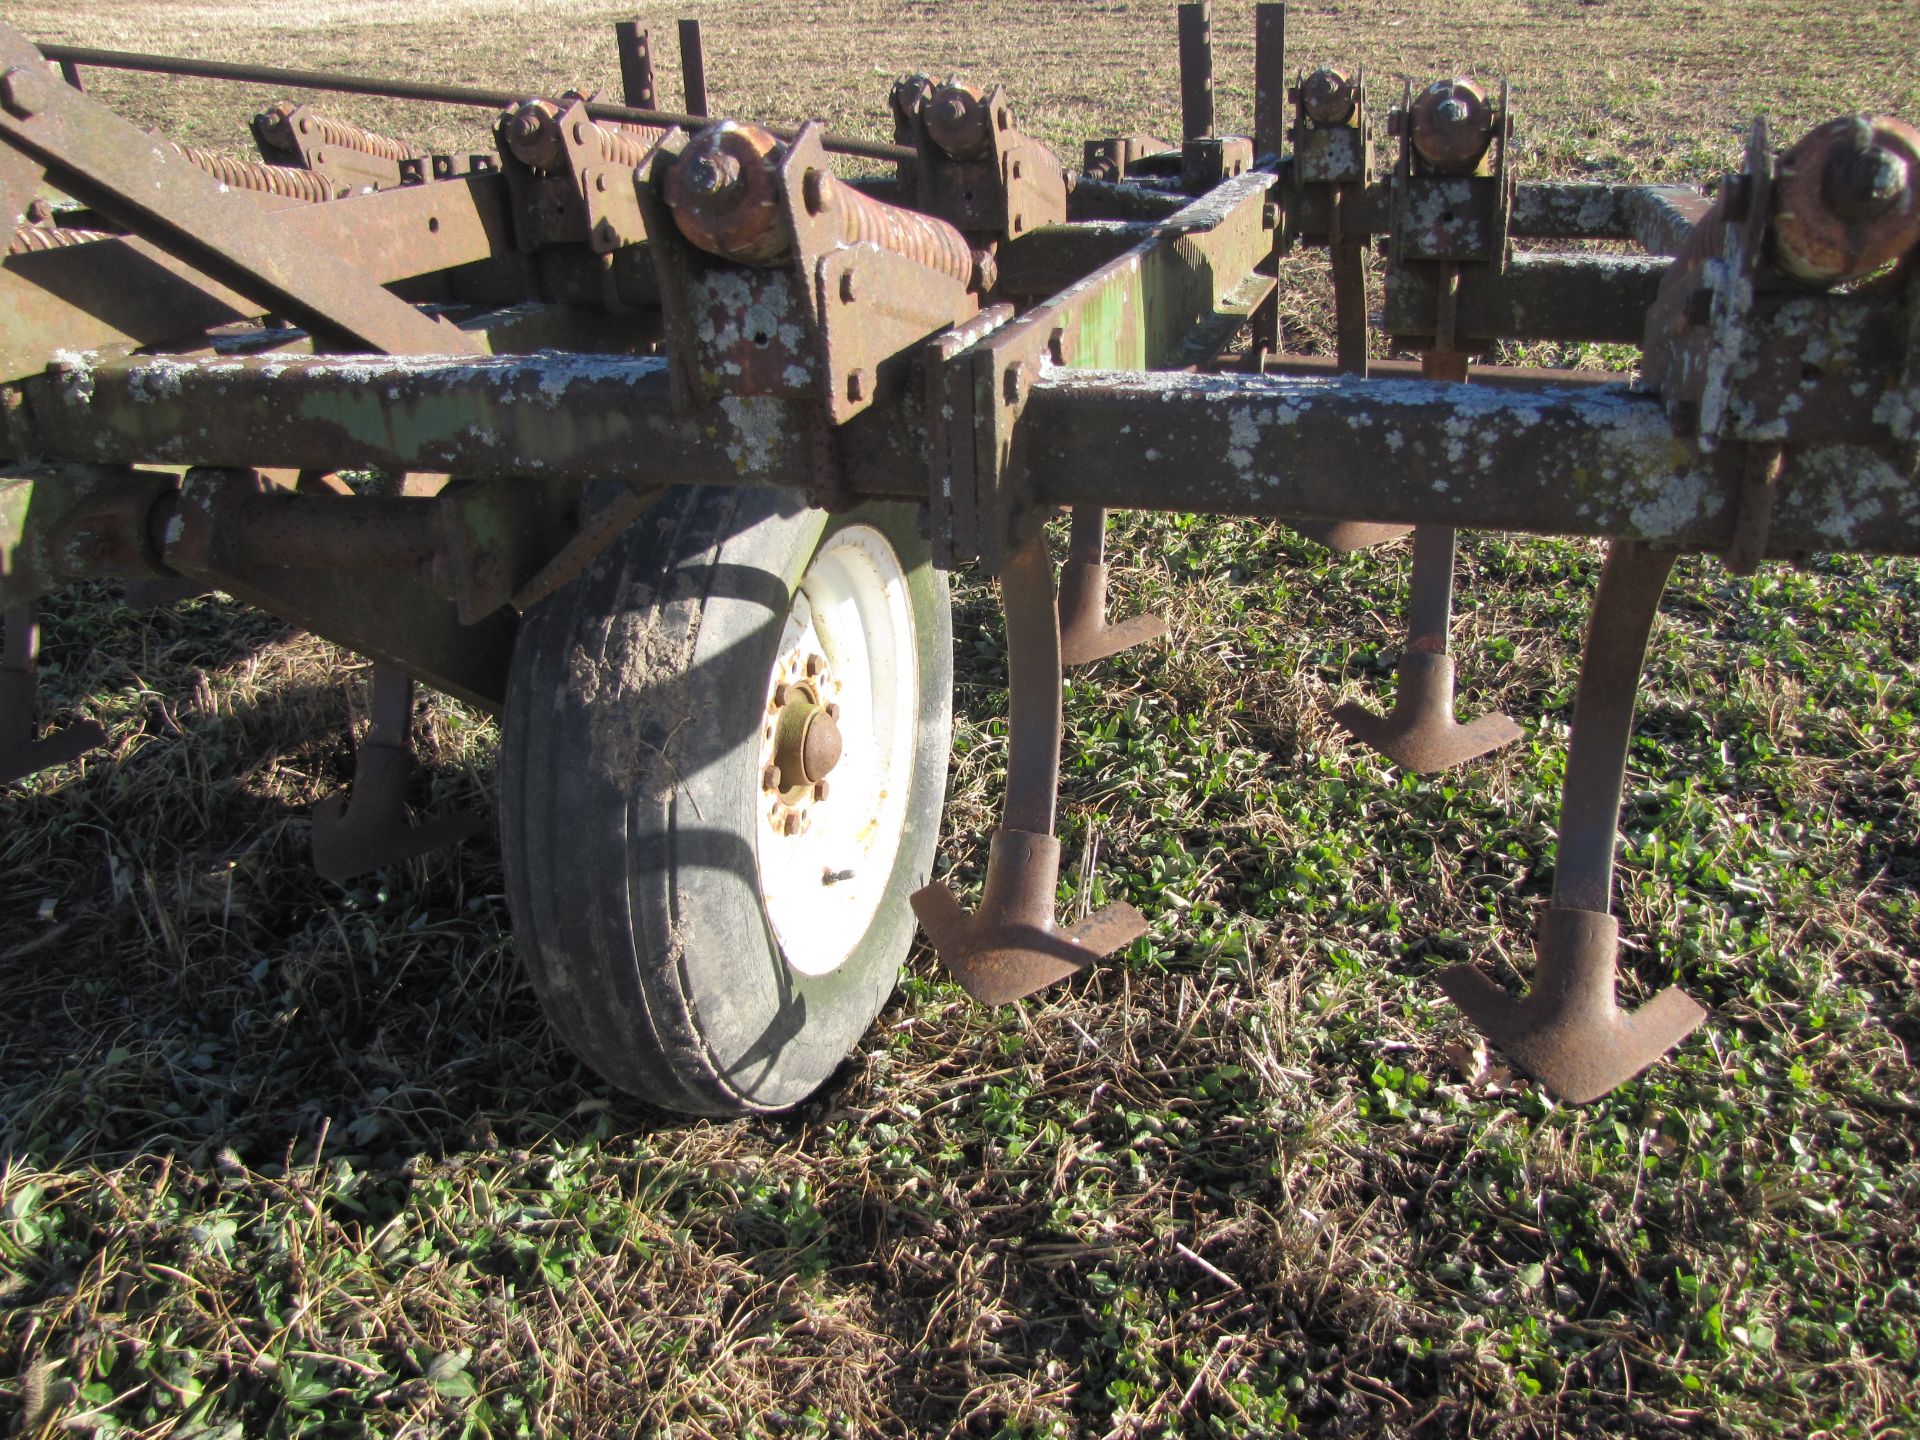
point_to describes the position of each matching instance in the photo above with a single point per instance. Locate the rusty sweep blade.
(1009, 948)
(1569, 1031)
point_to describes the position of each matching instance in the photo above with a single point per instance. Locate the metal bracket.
(299, 135)
(834, 322)
(1015, 186)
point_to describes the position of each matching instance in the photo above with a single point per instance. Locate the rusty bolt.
(16, 93)
(791, 824)
(1327, 97)
(957, 121)
(815, 666)
(723, 191)
(819, 789)
(1863, 180)
(1453, 124)
(833, 712)
(986, 271)
(1844, 201)
(910, 94)
(770, 778)
(600, 183)
(782, 694)
(818, 190)
(710, 174)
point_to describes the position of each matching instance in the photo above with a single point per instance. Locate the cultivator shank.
(604, 301)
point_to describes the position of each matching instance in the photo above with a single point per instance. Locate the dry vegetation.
(282, 1158)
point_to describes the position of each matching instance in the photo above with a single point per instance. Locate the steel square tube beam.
(588, 417)
(1592, 460)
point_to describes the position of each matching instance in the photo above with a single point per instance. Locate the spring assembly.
(721, 192)
(532, 131)
(252, 175)
(30, 238)
(277, 124)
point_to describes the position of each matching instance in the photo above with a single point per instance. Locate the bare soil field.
(280, 1157)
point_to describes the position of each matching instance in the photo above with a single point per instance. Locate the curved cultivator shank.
(536, 340)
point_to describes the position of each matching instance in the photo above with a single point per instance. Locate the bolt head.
(791, 824)
(816, 665)
(818, 192)
(770, 778)
(711, 173)
(16, 93)
(833, 712)
(819, 789)
(782, 693)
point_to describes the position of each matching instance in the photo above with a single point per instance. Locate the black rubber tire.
(630, 776)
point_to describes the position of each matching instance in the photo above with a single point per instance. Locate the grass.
(284, 1158)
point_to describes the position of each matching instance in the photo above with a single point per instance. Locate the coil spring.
(923, 239)
(622, 144)
(367, 142)
(338, 133)
(30, 238)
(284, 180)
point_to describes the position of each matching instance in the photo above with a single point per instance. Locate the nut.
(1328, 97)
(1452, 125)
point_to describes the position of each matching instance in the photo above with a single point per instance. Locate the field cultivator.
(655, 436)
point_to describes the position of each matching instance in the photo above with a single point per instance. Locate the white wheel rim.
(822, 885)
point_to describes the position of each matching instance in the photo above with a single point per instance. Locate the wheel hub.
(802, 741)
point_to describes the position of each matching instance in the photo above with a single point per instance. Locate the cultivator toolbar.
(616, 300)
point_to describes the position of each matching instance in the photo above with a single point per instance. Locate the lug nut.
(819, 789)
(770, 778)
(815, 664)
(790, 825)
